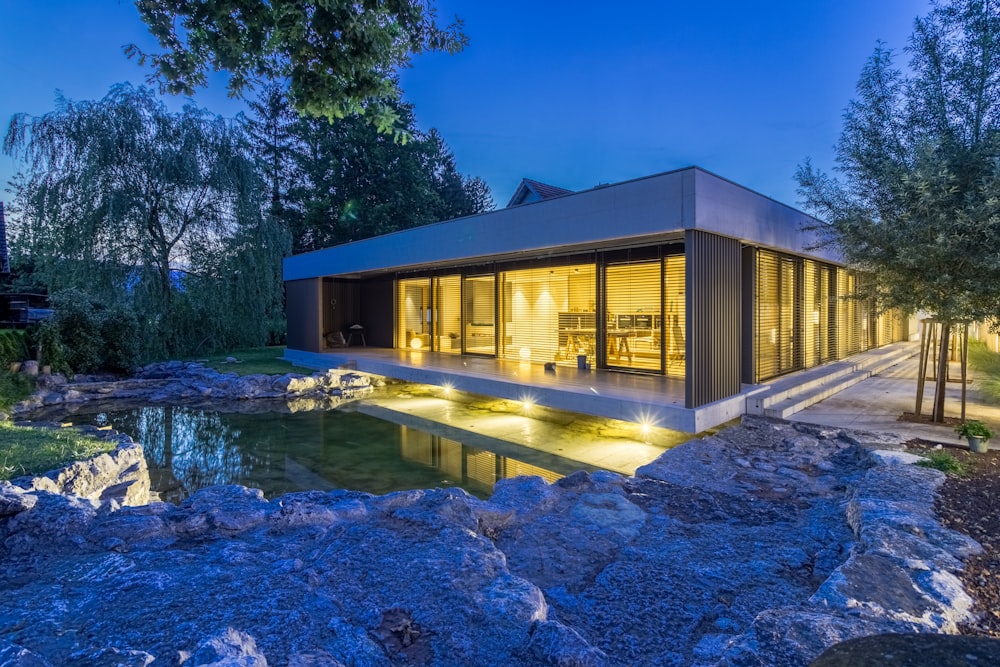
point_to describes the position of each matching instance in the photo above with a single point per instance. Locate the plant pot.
(978, 444)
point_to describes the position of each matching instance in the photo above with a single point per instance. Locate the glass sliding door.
(675, 315)
(777, 334)
(447, 317)
(479, 310)
(413, 314)
(634, 300)
(550, 314)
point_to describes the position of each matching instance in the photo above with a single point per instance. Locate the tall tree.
(916, 203)
(347, 181)
(270, 130)
(130, 202)
(338, 56)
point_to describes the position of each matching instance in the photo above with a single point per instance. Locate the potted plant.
(977, 433)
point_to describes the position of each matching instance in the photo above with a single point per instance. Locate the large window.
(429, 314)
(634, 299)
(550, 314)
(447, 314)
(808, 313)
(778, 339)
(480, 314)
(414, 315)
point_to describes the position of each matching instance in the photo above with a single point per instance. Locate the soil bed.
(969, 505)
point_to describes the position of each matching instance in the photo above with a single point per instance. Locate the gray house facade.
(682, 274)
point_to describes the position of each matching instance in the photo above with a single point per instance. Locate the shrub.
(12, 346)
(46, 341)
(945, 462)
(119, 331)
(84, 336)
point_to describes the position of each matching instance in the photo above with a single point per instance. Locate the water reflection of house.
(462, 464)
(683, 274)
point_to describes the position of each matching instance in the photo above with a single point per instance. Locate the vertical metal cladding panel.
(303, 312)
(377, 311)
(341, 305)
(714, 322)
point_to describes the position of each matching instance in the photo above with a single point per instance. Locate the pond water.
(189, 448)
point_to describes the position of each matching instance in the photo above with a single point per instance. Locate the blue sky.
(572, 94)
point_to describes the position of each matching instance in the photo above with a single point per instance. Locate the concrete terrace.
(652, 399)
(655, 400)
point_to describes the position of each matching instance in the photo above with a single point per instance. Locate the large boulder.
(762, 545)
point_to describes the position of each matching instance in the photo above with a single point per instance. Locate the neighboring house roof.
(531, 191)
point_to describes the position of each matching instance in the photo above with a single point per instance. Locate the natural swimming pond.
(190, 448)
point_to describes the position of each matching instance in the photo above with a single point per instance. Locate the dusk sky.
(572, 94)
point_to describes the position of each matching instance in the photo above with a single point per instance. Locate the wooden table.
(618, 344)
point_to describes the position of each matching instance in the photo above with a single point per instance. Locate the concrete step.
(882, 363)
(789, 406)
(784, 388)
(792, 393)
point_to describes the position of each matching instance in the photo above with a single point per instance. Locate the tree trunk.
(942, 373)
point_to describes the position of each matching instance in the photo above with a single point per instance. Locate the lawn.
(254, 360)
(987, 362)
(33, 451)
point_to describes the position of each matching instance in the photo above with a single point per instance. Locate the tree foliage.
(151, 209)
(344, 181)
(338, 56)
(917, 201)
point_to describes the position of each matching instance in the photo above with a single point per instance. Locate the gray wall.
(714, 318)
(378, 311)
(303, 310)
(655, 205)
(341, 305)
(646, 210)
(723, 207)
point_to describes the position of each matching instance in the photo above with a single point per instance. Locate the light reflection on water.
(189, 448)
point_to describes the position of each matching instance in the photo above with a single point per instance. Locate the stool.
(359, 331)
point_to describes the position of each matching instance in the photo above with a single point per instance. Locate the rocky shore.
(762, 545)
(195, 385)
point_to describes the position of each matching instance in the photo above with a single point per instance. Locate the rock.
(232, 648)
(14, 499)
(120, 476)
(191, 383)
(30, 368)
(706, 558)
(13, 655)
(911, 650)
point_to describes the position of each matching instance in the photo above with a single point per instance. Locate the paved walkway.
(876, 403)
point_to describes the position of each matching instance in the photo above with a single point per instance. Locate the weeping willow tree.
(917, 203)
(159, 210)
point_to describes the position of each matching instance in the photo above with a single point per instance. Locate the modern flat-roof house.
(682, 276)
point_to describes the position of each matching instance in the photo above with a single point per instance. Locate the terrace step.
(790, 394)
(789, 406)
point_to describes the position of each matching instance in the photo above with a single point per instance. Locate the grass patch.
(945, 462)
(254, 360)
(987, 362)
(14, 388)
(33, 451)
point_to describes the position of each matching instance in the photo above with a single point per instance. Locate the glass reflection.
(188, 449)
